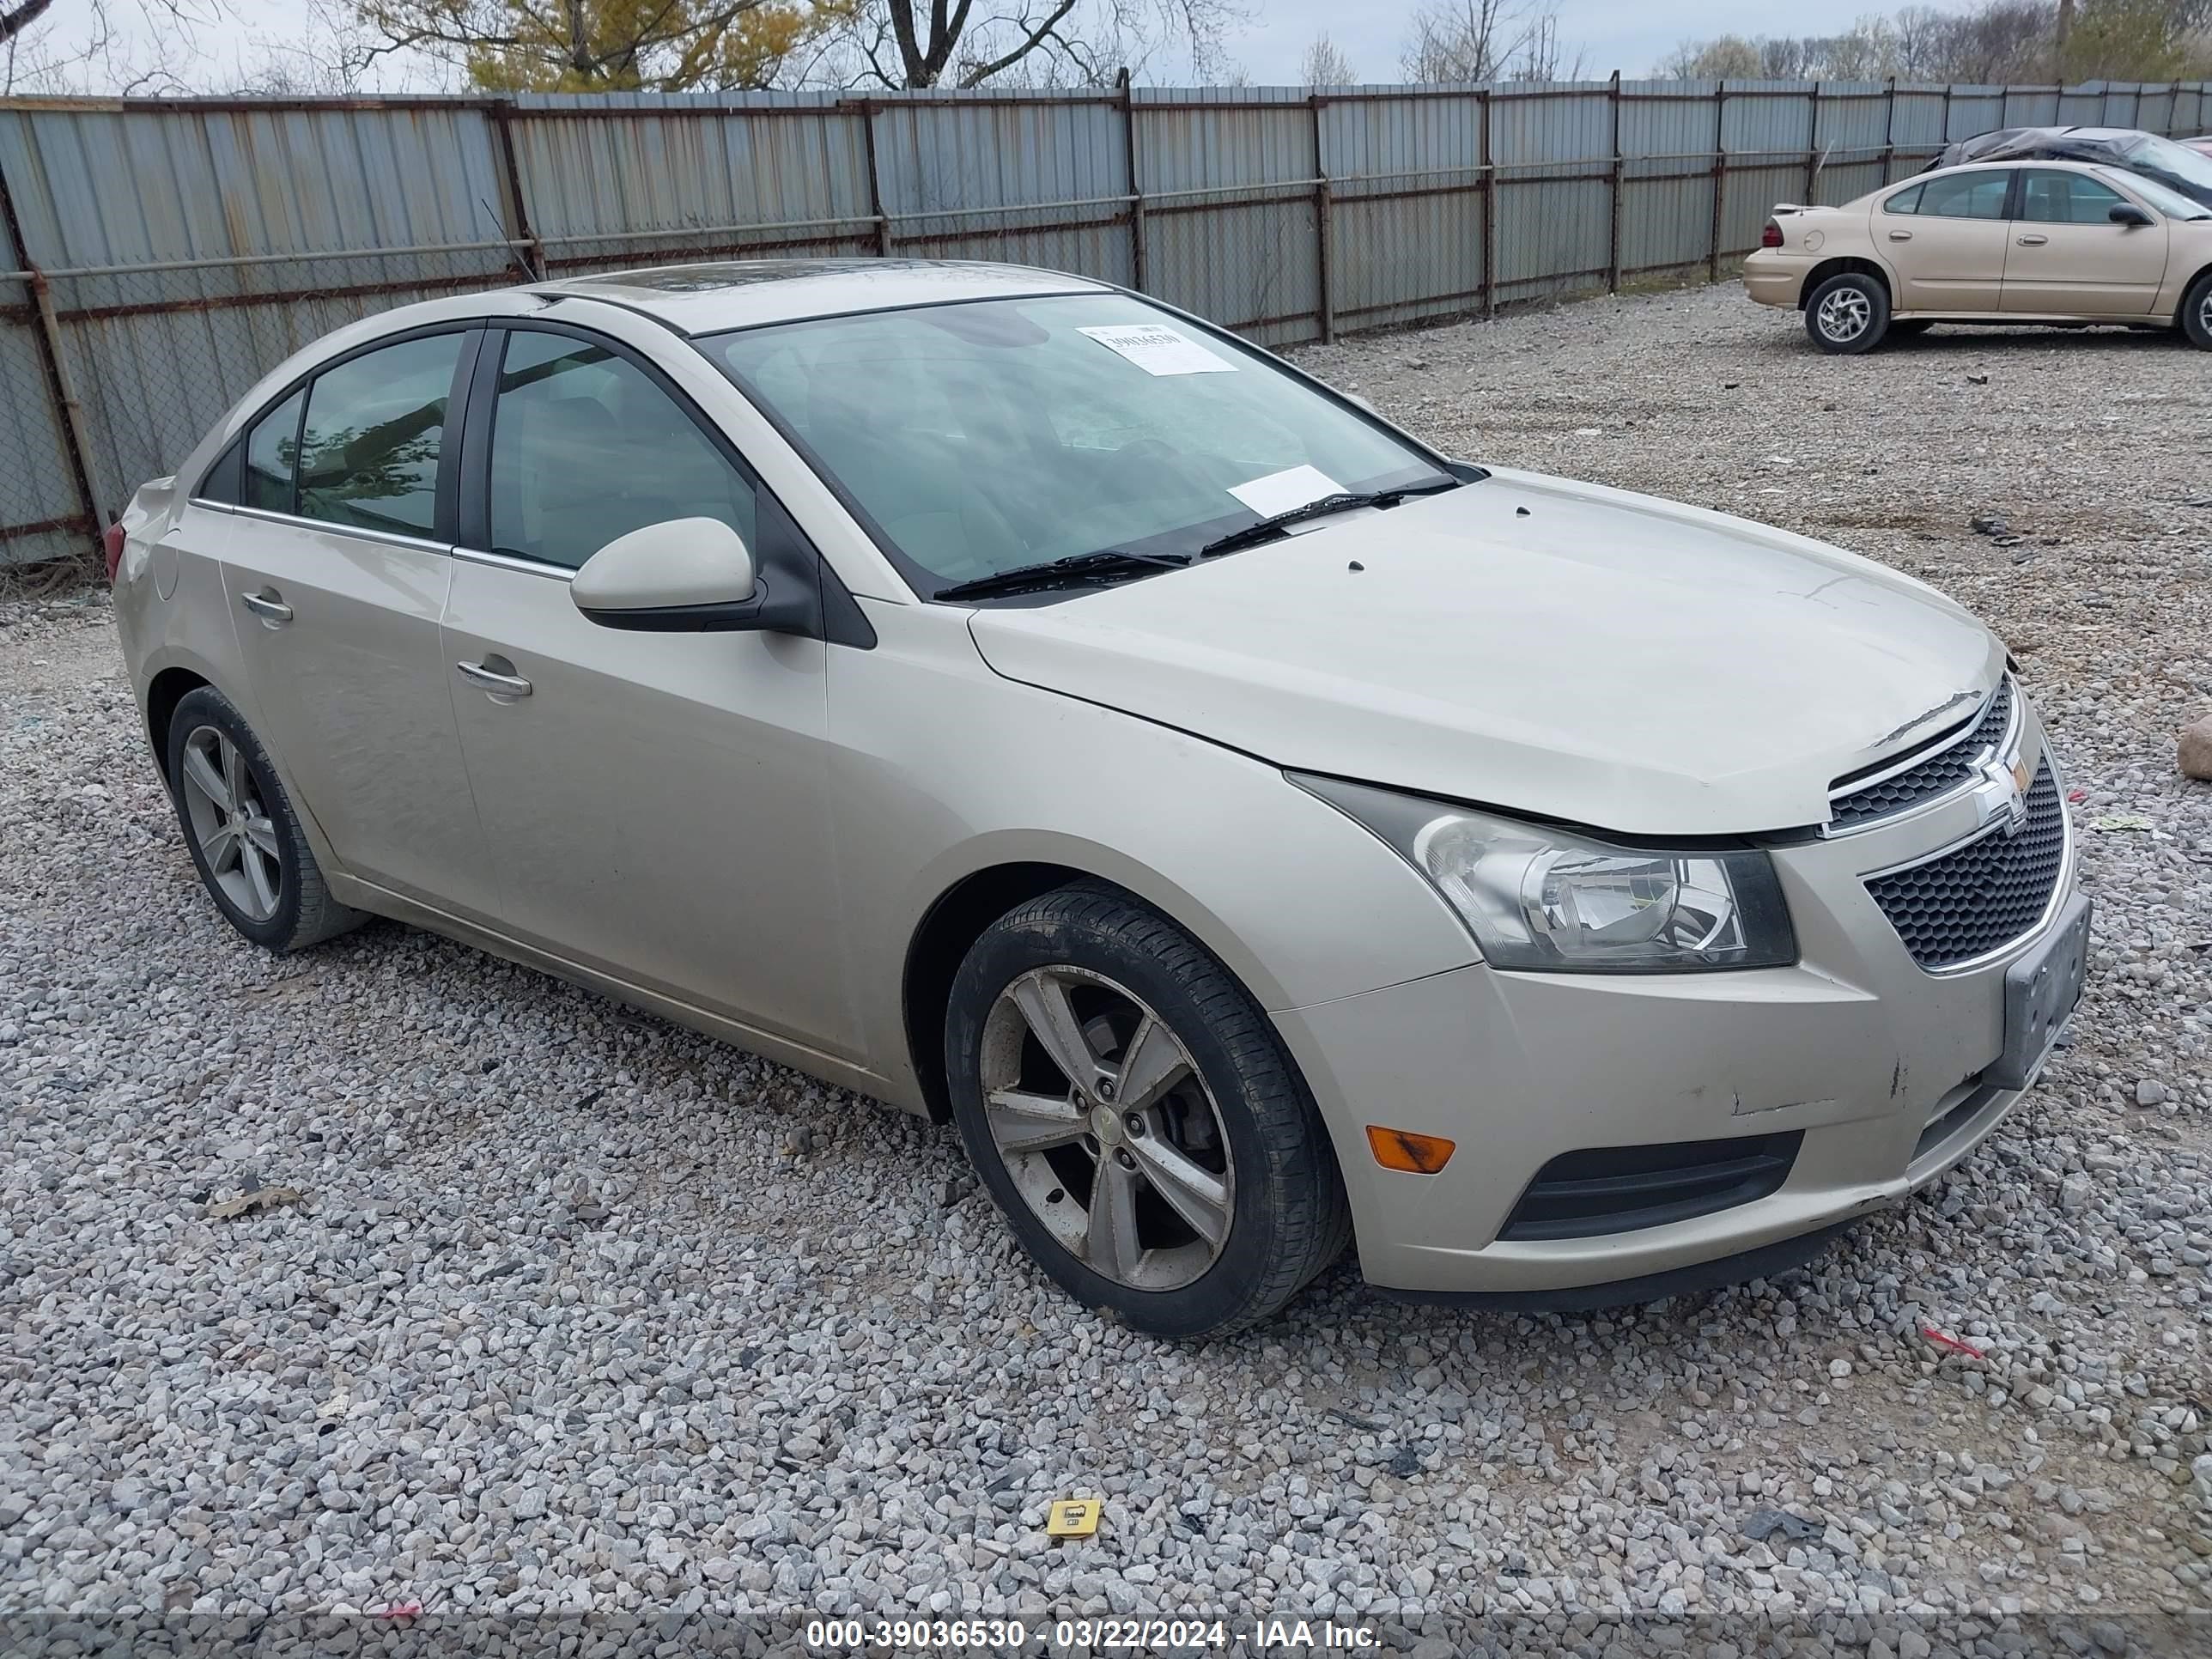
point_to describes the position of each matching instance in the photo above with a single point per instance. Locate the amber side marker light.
(1401, 1149)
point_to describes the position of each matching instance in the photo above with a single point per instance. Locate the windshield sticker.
(1278, 492)
(1158, 350)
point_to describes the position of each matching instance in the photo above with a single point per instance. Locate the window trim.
(818, 604)
(442, 513)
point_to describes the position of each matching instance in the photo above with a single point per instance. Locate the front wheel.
(1135, 1118)
(2197, 314)
(1848, 315)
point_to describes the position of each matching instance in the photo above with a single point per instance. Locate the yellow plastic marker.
(1073, 1518)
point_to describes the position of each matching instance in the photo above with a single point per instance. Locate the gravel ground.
(580, 1311)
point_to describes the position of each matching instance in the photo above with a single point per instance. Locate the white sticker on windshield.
(1278, 492)
(1158, 350)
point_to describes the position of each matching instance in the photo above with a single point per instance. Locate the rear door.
(2068, 258)
(336, 571)
(1945, 239)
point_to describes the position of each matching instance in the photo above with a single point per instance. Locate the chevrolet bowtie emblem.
(2001, 796)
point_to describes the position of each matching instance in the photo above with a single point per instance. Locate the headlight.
(1540, 897)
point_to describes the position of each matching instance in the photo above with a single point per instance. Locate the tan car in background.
(2062, 243)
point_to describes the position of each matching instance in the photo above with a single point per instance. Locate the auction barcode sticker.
(1158, 350)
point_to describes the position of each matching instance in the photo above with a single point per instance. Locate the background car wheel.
(1135, 1118)
(2197, 312)
(1910, 327)
(244, 837)
(1848, 315)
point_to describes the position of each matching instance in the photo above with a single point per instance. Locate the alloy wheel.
(1845, 314)
(231, 823)
(1112, 1138)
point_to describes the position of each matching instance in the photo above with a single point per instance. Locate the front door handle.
(267, 606)
(496, 675)
(1901, 235)
(2033, 241)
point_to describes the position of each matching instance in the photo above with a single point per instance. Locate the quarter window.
(375, 428)
(2068, 198)
(586, 447)
(1905, 201)
(1964, 195)
(271, 450)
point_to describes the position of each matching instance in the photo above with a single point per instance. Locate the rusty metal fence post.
(1489, 175)
(1619, 174)
(1720, 178)
(867, 107)
(48, 336)
(1136, 187)
(1324, 208)
(518, 206)
(1889, 130)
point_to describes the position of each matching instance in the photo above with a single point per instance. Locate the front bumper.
(1868, 1067)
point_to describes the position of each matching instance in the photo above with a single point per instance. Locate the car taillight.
(112, 544)
(1772, 236)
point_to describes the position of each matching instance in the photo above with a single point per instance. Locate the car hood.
(1552, 648)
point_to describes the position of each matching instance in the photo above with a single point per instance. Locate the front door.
(2068, 256)
(1945, 239)
(336, 569)
(657, 799)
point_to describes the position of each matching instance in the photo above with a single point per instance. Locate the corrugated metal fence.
(159, 255)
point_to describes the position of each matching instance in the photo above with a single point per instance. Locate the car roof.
(706, 298)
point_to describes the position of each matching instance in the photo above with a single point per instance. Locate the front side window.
(586, 447)
(1965, 196)
(271, 450)
(2068, 198)
(376, 424)
(995, 434)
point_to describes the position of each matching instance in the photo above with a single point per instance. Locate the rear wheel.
(2197, 312)
(242, 833)
(1135, 1118)
(1848, 315)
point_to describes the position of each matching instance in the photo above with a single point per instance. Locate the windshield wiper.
(1108, 564)
(1276, 524)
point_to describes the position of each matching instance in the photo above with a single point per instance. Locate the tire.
(1910, 327)
(1233, 1108)
(1848, 315)
(2197, 314)
(266, 880)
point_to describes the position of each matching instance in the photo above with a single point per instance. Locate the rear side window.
(586, 447)
(1965, 196)
(1905, 201)
(272, 452)
(368, 453)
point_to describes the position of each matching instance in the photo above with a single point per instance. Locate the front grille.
(1943, 770)
(1613, 1189)
(1988, 893)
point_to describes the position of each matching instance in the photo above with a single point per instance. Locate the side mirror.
(2128, 214)
(681, 575)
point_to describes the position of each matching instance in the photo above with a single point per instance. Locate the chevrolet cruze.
(1002, 695)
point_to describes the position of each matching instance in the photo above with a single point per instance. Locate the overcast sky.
(1629, 35)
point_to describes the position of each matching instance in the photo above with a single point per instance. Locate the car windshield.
(2177, 162)
(2172, 203)
(994, 435)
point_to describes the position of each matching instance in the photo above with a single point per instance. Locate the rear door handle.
(267, 606)
(2033, 241)
(1901, 235)
(501, 681)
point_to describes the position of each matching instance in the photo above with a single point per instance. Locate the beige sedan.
(2062, 243)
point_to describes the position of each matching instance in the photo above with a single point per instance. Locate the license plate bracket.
(2041, 991)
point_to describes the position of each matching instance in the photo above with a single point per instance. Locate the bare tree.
(1325, 65)
(1481, 39)
(1043, 42)
(135, 46)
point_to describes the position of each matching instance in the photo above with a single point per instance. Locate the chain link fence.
(229, 234)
